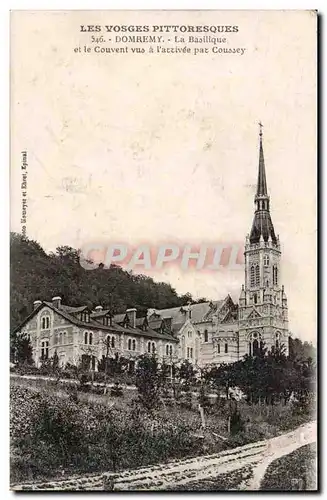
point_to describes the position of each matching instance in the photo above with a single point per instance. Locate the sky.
(148, 148)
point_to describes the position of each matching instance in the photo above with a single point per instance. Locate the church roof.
(262, 226)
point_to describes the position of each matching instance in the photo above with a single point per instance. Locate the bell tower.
(263, 312)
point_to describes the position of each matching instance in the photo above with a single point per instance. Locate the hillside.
(34, 275)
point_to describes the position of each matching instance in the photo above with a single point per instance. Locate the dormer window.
(85, 316)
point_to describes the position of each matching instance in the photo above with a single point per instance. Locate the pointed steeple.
(262, 182)
(262, 227)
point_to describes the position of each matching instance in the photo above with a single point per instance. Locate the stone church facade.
(208, 333)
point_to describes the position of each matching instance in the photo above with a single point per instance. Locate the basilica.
(215, 332)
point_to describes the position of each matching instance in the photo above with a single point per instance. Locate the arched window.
(90, 338)
(153, 347)
(110, 341)
(64, 337)
(171, 350)
(86, 336)
(45, 325)
(266, 260)
(257, 275)
(252, 276)
(255, 298)
(167, 350)
(129, 344)
(44, 349)
(277, 340)
(255, 344)
(226, 348)
(218, 348)
(255, 347)
(134, 345)
(206, 337)
(149, 346)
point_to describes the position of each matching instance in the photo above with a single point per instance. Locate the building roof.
(93, 324)
(119, 318)
(70, 309)
(100, 314)
(198, 312)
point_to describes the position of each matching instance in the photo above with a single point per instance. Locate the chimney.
(36, 304)
(56, 302)
(98, 308)
(131, 314)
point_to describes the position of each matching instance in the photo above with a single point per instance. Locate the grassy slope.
(296, 471)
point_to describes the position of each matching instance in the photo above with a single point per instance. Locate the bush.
(116, 391)
(25, 369)
(100, 377)
(47, 433)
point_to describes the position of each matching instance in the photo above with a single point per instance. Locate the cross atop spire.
(261, 127)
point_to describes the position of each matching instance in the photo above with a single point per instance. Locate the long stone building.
(214, 332)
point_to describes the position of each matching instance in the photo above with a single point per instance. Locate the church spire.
(262, 227)
(262, 182)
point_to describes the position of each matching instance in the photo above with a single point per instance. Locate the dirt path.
(281, 446)
(181, 472)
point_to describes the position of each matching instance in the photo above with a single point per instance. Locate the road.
(183, 472)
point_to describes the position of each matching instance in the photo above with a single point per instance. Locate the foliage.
(301, 351)
(267, 377)
(48, 435)
(149, 381)
(36, 275)
(185, 375)
(21, 350)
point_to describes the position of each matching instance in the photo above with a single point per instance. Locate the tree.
(149, 381)
(301, 351)
(21, 350)
(187, 375)
(36, 275)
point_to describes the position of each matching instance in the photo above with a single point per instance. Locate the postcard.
(163, 250)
